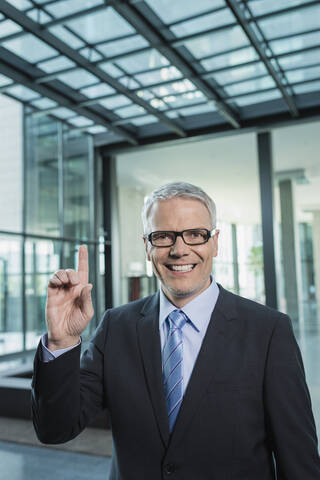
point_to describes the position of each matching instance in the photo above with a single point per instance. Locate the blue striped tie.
(172, 365)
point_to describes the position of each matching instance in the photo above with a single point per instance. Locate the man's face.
(179, 214)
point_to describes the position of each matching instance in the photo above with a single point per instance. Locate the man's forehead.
(178, 206)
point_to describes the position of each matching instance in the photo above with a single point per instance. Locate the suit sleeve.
(288, 407)
(67, 393)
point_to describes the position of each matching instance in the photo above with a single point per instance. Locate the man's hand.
(69, 306)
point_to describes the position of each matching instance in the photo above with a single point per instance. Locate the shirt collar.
(197, 310)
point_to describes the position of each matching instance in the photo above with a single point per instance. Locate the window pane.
(22, 93)
(42, 176)
(206, 107)
(97, 90)
(170, 11)
(41, 260)
(118, 47)
(130, 111)
(66, 36)
(295, 43)
(4, 80)
(240, 73)
(157, 76)
(115, 101)
(8, 27)
(247, 54)
(93, 27)
(303, 75)
(291, 23)
(11, 337)
(56, 64)
(259, 7)
(217, 42)
(257, 98)
(307, 87)
(216, 19)
(11, 166)
(250, 86)
(300, 59)
(67, 7)
(78, 78)
(76, 185)
(30, 48)
(143, 61)
(21, 4)
(44, 103)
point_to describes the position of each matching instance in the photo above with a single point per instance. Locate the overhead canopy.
(137, 71)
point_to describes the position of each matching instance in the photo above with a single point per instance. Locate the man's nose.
(179, 248)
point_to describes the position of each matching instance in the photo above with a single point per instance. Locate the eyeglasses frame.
(210, 233)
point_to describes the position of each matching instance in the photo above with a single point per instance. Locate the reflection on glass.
(11, 336)
(42, 176)
(41, 260)
(76, 185)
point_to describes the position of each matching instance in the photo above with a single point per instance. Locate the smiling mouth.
(181, 268)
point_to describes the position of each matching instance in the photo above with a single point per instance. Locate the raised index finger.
(83, 265)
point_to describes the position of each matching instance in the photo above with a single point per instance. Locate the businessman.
(200, 384)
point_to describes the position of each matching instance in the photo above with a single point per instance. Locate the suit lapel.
(150, 348)
(213, 362)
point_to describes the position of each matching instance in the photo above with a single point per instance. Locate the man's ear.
(215, 243)
(147, 247)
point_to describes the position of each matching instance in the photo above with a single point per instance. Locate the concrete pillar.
(316, 253)
(289, 249)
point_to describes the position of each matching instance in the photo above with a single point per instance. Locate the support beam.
(250, 33)
(266, 196)
(145, 29)
(30, 26)
(46, 91)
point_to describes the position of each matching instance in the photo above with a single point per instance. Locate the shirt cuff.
(47, 355)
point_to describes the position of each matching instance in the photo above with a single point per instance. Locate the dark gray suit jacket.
(246, 413)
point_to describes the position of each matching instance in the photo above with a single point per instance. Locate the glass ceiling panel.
(170, 11)
(304, 75)
(217, 42)
(143, 61)
(308, 87)
(174, 88)
(7, 27)
(115, 101)
(217, 19)
(21, 4)
(157, 76)
(240, 73)
(247, 54)
(97, 129)
(184, 100)
(118, 47)
(78, 78)
(130, 111)
(292, 22)
(99, 26)
(66, 36)
(4, 80)
(257, 98)
(111, 69)
(80, 121)
(144, 120)
(97, 90)
(30, 48)
(63, 113)
(61, 8)
(145, 94)
(259, 7)
(129, 82)
(56, 64)
(158, 104)
(295, 43)
(22, 93)
(250, 86)
(300, 59)
(44, 103)
(206, 107)
(39, 16)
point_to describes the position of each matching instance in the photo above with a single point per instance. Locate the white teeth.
(181, 268)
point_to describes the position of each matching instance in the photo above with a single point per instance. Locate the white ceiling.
(227, 169)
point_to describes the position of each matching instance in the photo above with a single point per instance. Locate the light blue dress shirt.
(199, 311)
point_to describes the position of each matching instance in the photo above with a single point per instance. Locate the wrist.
(66, 342)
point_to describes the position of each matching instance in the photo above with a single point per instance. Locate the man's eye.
(196, 234)
(161, 236)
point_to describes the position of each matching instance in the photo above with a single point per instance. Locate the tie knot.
(177, 319)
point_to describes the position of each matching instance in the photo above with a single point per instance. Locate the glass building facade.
(48, 209)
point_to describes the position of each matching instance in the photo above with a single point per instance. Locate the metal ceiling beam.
(234, 7)
(145, 29)
(33, 27)
(46, 91)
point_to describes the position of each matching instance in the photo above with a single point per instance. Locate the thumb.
(86, 301)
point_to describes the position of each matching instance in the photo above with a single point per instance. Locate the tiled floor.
(21, 462)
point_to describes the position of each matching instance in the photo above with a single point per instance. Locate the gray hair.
(177, 189)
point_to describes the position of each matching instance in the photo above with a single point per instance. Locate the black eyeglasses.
(192, 236)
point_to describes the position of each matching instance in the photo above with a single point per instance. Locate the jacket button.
(169, 469)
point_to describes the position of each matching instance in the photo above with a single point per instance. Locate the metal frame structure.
(214, 111)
